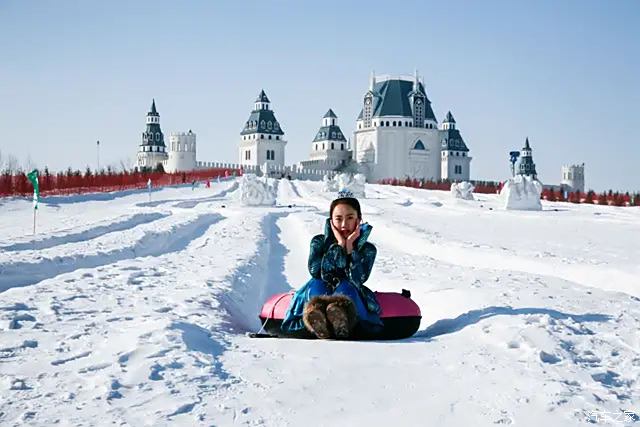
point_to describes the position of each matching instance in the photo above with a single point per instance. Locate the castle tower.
(182, 152)
(455, 160)
(152, 150)
(262, 139)
(329, 148)
(527, 167)
(573, 177)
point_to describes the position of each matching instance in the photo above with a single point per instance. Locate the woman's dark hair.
(350, 201)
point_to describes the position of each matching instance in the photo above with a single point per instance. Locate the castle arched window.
(269, 136)
(262, 123)
(394, 123)
(359, 126)
(277, 137)
(333, 135)
(261, 136)
(316, 147)
(276, 125)
(381, 123)
(269, 125)
(339, 135)
(332, 145)
(418, 145)
(157, 136)
(464, 154)
(323, 145)
(400, 124)
(458, 153)
(387, 123)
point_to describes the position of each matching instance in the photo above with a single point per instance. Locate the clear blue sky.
(563, 73)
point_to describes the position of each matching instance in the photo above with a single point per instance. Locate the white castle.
(397, 136)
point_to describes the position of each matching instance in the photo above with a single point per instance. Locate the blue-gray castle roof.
(330, 114)
(392, 98)
(330, 133)
(262, 97)
(262, 121)
(452, 140)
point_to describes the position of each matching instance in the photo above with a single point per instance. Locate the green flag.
(33, 177)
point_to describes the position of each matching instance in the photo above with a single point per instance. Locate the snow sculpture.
(521, 193)
(256, 191)
(462, 190)
(345, 181)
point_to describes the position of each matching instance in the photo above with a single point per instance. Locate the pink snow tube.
(400, 314)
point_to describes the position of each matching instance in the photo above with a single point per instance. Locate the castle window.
(316, 147)
(261, 136)
(394, 123)
(269, 136)
(387, 123)
(333, 135)
(262, 123)
(269, 125)
(457, 153)
(418, 145)
(323, 145)
(359, 126)
(275, 125)
(157, 136)
(332, 145)
(342, 146)
(333, 121)
(277, 137)
(339, 135)
(381, 123)
(464, 154)
(400, 124)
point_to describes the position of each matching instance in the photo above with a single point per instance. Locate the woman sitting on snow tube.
(335, 303)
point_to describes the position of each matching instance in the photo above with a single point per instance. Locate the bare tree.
(11, 164)
(126, 164)
(30, 165)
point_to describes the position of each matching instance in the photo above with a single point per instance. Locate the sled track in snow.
(261, 276)
(87, 234)
(217, 195)
(153, 243)
(189, 204)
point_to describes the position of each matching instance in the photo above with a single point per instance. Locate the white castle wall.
(274, 171)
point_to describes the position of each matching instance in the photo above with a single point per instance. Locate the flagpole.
(34, 220)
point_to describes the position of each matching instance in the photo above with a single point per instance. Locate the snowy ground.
(130, 312)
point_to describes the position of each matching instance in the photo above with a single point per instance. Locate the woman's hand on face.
(338, 235)
(352, 238)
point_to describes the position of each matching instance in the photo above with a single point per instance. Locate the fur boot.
(314, 317)
(341, 314)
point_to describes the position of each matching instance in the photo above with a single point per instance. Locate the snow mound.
(521, 193)
(256, 191)
(462, 190)
(345, 181)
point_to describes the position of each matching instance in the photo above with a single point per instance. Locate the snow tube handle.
(406, 293)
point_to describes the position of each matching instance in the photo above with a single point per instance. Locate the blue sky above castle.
(563, 73)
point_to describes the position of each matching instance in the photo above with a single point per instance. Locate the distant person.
(335, 301)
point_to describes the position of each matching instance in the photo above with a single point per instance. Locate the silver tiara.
(345, 193)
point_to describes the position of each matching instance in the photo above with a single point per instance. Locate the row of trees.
(490, 187)
(591, 197)
(75, 181)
